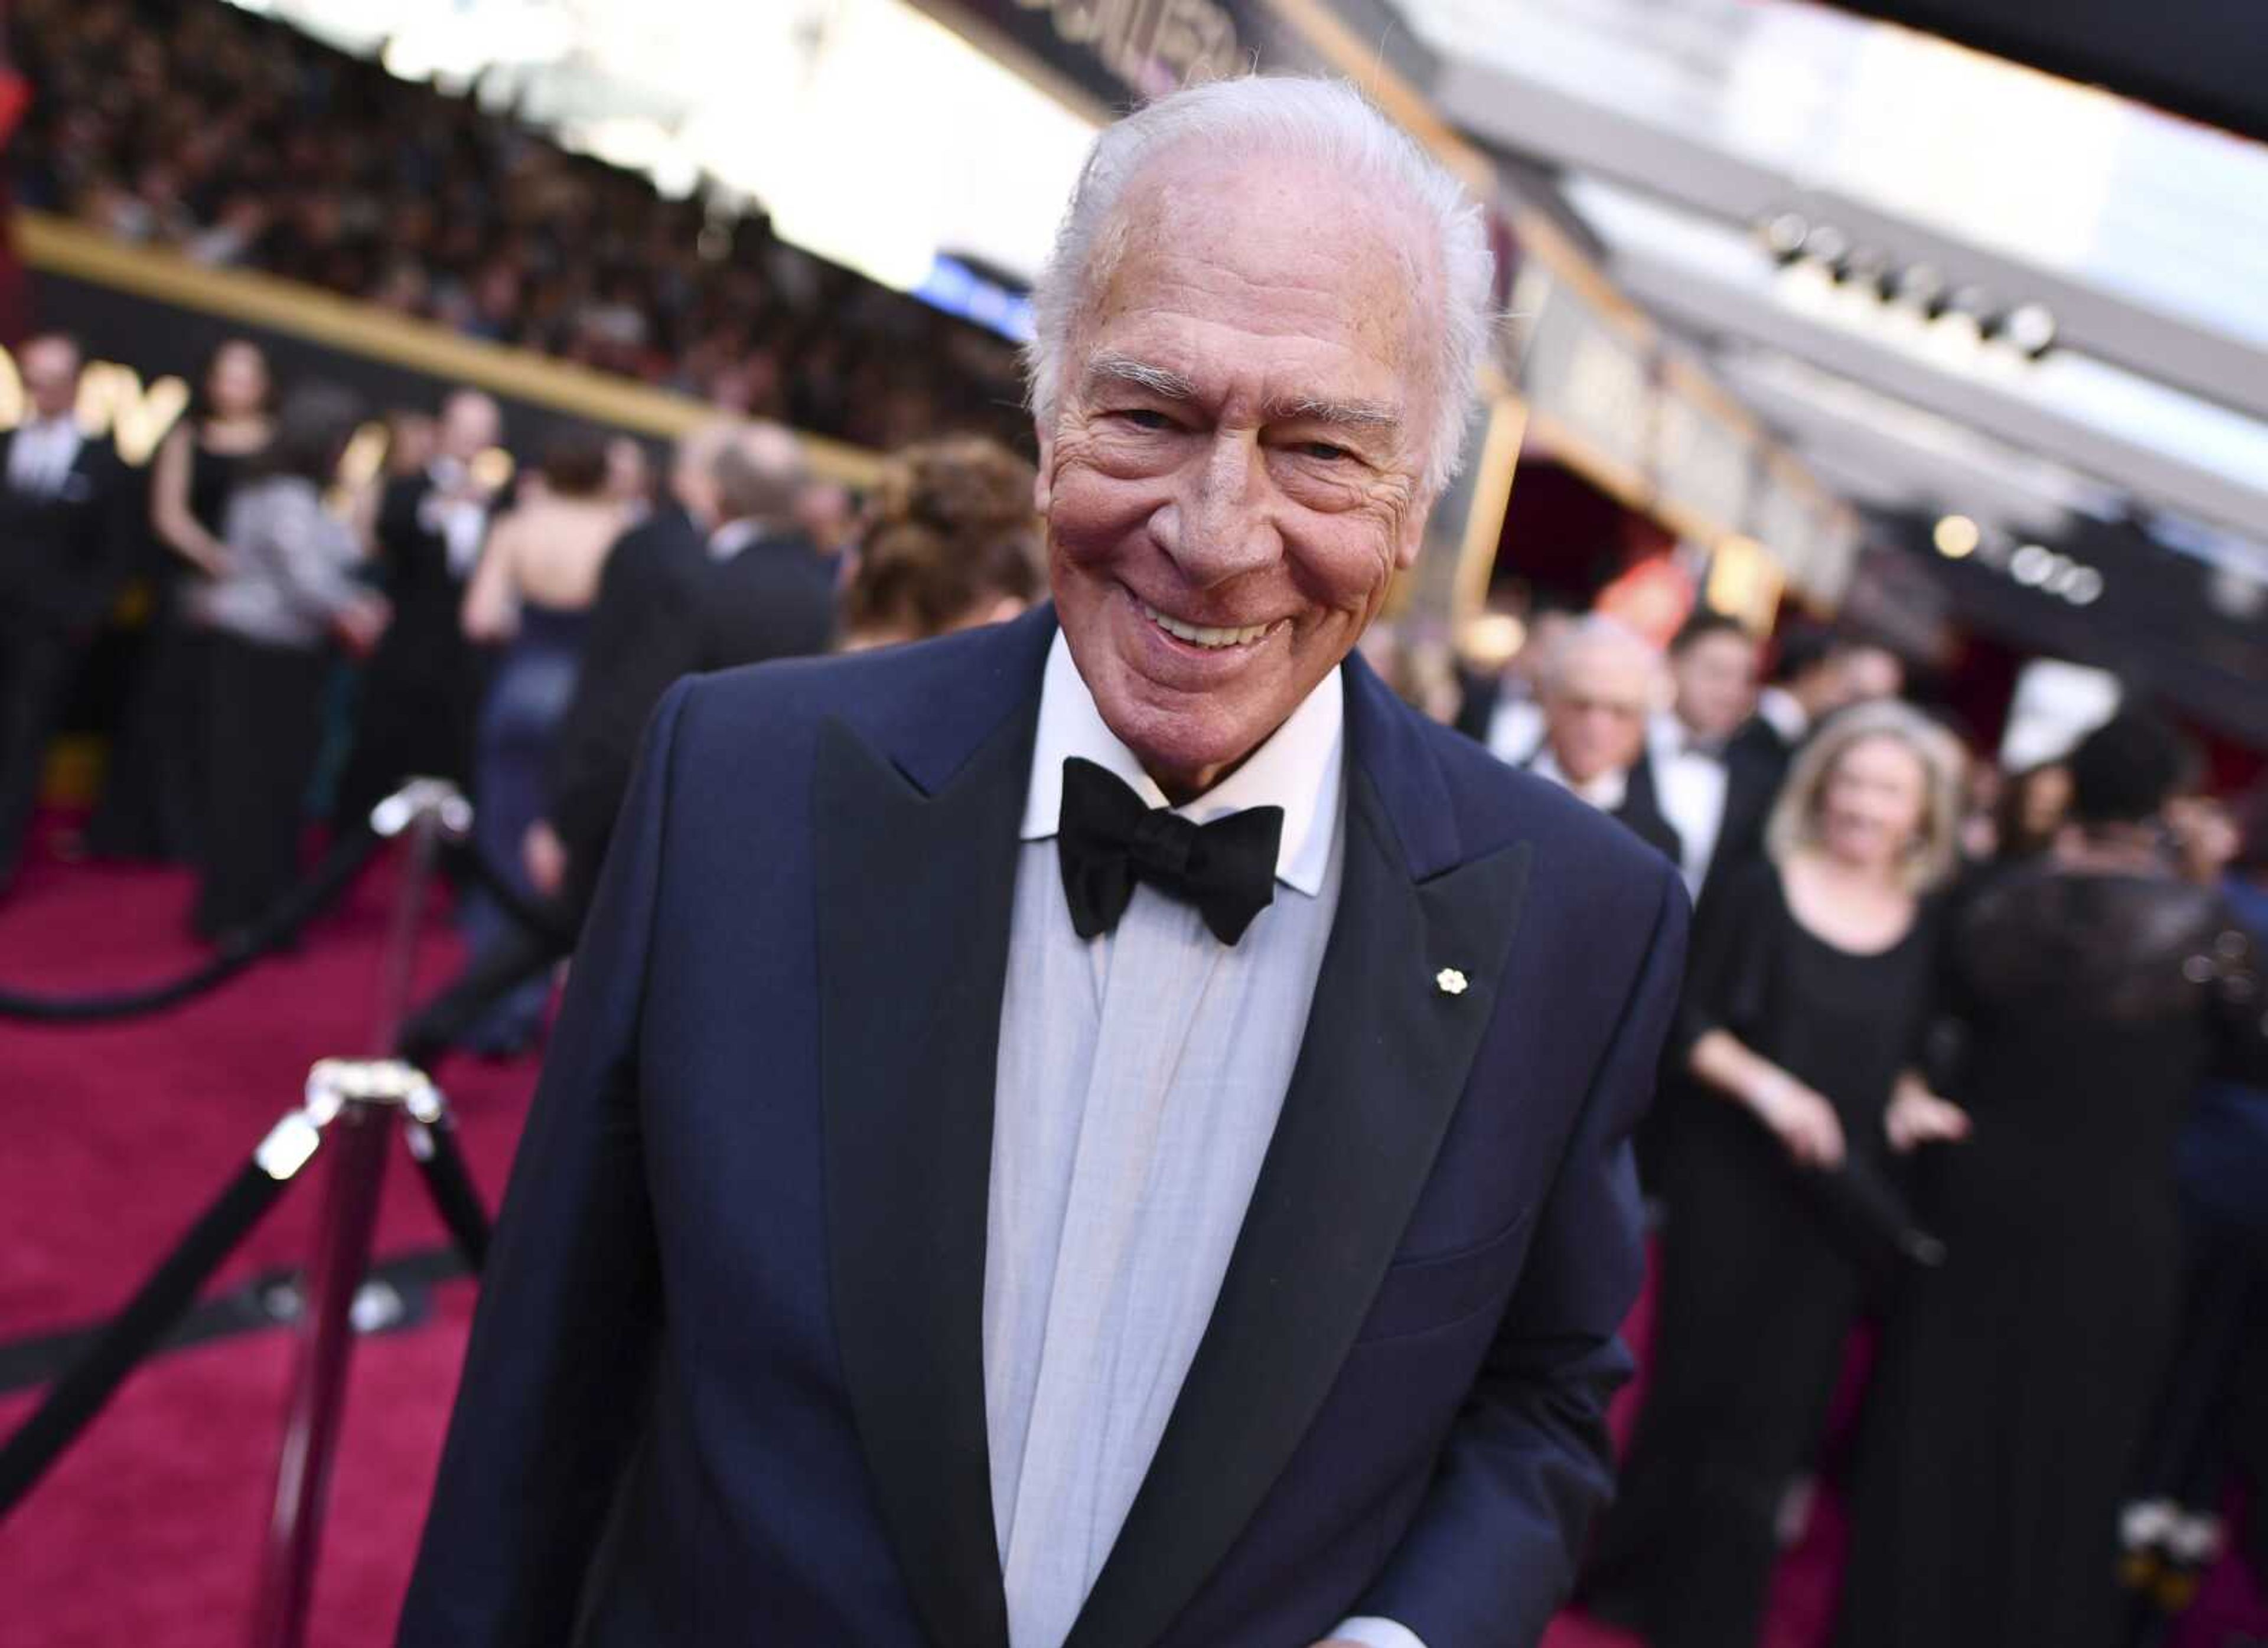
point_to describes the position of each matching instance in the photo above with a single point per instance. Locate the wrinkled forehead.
(1274, 254)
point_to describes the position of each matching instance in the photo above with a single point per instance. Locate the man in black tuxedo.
(63, 525)
(1106, 1130)
(741, 583)
(420, 691)
(1600, 682)
(1716, 798)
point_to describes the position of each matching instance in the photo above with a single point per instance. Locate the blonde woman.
(1808, 992)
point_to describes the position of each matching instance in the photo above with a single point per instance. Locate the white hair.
(1597, 633)
(1326, 121)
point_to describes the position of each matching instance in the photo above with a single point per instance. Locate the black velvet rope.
(75, 1399)
(236, 951)
(449, 1182)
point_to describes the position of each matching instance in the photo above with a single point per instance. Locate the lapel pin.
(1449, 982)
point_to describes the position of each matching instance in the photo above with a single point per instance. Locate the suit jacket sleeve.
(1493, 1550)
(563, 1342)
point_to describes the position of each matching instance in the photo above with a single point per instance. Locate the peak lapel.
(915, 891)
(1385, 1057)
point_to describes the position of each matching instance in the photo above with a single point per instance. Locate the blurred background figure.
(629, 477)
(152, 790)
(1717, 804)
(1601, 683)
(532, 597)
(420, 691)
(62, 505)
(758, 589)
(828, 516)
(2211, 1421)
(2031, 813)
(950, 541)
(1502, 708)
(2097, 988)
(1810, 983)
(1816, 673)
(285, 590)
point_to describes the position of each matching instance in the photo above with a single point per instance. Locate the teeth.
(1197, 634)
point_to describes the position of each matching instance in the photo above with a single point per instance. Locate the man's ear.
(1043, 483)
(1411, 538)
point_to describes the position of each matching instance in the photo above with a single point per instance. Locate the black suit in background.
(60, 551)
(1756, 762)
(775, 597)
(1641, 814)
(1639, 811)
(647, 563)
(421, 690)
(665, 609)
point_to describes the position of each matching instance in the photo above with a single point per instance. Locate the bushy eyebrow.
(1351, 415)
(1109, 367)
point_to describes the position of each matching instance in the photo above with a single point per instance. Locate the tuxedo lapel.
(915, 884)
(1389, 1046)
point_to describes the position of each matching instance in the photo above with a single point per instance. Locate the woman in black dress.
(1807, 997)
(285, 594)
(2016, 1383)
(152, 794)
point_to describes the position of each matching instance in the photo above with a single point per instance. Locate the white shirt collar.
(1299, 769)
(1606, 792)
(735, 536)
(1789, 718)
(1668, 739)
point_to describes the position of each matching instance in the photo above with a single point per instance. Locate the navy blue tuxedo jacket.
(727, 1381)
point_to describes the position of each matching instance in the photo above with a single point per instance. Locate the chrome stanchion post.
(426, 811)
(355, 1102)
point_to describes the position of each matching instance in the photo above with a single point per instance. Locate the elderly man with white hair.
(1109, 1130)
(1601, 683)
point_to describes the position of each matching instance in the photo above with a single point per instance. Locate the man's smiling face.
(1236, 472)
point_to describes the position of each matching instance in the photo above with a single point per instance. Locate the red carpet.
(147, 1533)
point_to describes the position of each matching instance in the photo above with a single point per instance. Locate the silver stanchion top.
(437, 796)
(334, 1083)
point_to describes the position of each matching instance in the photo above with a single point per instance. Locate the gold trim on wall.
(57, 246)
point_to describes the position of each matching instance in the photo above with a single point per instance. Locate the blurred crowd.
(1979, 1062)
(312, 642)
(240, 142)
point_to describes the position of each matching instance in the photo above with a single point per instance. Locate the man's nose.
(1219, 525)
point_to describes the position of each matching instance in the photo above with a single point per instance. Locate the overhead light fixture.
(2083, 587)
(2029, 329)
(2034, 564)
(1784, 235)
(1921, 286)
(1957, 537)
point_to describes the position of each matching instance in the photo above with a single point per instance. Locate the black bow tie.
(1109, 840)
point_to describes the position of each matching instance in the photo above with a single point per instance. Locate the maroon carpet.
(147, 1533)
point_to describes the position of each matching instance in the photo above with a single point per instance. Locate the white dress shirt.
(1139, 1080)
(1606, 792)
(1515, 728)
(1689, 785)
(41, 455)
(462, 522)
